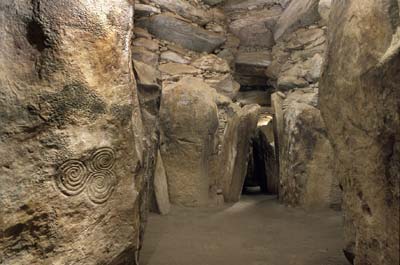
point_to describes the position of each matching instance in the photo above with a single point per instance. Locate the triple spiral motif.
(94, 175)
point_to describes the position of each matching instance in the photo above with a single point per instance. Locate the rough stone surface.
(305, 153)
(235, 149)
(161, 187)
(255, 28)
(185, 9)
(173, 57)
(299, 13)
(178, 69)
(188, 123)
(189, 36)
(71, 169)
(297, 59)
(262, 98)
(250, 68)
(360, 104)
(213, 2)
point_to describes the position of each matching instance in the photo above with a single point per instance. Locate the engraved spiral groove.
(102, 159)
(92, 174)
(100, 186)
(72, 177)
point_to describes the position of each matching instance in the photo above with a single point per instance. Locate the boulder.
(189, 122)
(71, 138)
(170, 28)
(359, 99)
(298, 14)
(305, 153)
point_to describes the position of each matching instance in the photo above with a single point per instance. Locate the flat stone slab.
(262, 98)
(178, 69)
(185, 9)
(192, 37)
(258, 59)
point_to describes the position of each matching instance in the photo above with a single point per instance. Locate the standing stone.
(69, 114)
(189, 122)
(235, 151)
(360, 102)
(305, 153)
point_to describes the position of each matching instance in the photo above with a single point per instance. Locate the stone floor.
(256, 231)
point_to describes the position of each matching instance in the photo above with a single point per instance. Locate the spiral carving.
(94, 175)
(72, 177)
(102, 159)
(100, 186)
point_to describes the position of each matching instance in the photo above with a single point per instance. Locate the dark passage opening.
(262, 170)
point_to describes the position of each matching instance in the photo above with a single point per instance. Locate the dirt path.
(256, 231)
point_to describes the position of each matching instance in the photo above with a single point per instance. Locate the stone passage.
(112, 108)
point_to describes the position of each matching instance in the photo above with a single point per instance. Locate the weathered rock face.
(250, 68)
(305, 154)
(184, 9)
(228, 162)
(297, 59)
(171, 28)
(360, 104)
(72, 182)
(299, 13)
(189, 122)
(255, 28)
(231, 163)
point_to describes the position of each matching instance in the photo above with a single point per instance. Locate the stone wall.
(73, 168)
(183, 49)
(360, 104)
(305, 155)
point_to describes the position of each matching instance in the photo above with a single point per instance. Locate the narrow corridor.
(256, 231)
